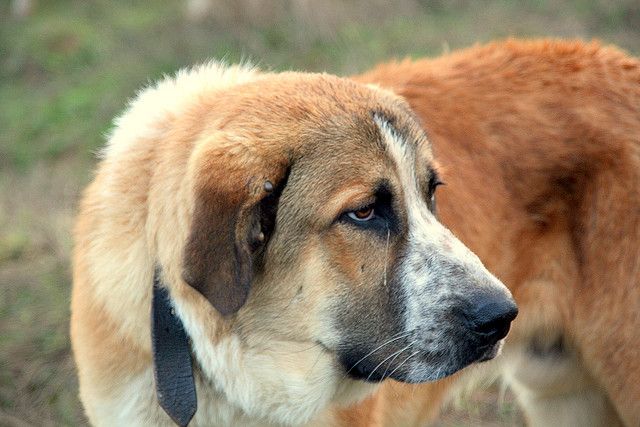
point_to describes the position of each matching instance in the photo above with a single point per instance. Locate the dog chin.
(491, 352)
(481, 354)
(420, 372)
(352, 391)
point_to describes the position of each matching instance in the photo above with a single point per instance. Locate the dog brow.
(395, 145)
(387, 129)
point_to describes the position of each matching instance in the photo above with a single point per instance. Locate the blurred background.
(68, 67)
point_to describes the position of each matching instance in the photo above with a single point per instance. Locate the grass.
(69, 68)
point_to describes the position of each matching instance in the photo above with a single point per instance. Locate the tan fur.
(180, 187)
(127, 224)
(540, 145)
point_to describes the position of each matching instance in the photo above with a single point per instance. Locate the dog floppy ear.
(233, 218)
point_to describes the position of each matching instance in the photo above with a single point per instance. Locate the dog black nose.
(491, 316)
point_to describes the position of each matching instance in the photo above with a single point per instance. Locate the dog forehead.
(379, 145)
(338, 171)
(302, 99)
(330, 128)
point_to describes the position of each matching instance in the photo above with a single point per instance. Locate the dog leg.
(553, 388)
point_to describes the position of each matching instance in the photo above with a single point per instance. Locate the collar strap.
(175, 387)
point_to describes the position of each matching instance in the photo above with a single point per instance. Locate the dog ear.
(233, 218)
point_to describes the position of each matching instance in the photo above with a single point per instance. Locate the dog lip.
(369, 371)
(362, 368)
(489, 352)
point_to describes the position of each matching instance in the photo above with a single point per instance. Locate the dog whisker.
(384, 374)
(314, 365)
(386, 258)
(378, 348)
(404, 361)
(305, 349)
(389, 357)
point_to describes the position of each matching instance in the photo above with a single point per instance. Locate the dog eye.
(434, 183)
(362, 215)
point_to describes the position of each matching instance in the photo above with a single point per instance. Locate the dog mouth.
(490, 352)
(415, 366)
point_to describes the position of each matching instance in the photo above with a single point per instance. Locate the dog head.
(314, 235)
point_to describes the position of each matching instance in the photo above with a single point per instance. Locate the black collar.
(175, 387)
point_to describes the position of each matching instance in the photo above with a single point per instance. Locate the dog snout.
(491, 315)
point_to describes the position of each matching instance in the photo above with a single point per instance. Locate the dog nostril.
(493, 319)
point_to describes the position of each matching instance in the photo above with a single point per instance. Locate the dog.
(539, 144)
(263, 249)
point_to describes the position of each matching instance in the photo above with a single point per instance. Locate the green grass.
(68, 69)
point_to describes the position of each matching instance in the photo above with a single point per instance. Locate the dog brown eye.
(364, 214)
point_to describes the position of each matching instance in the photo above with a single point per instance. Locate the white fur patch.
(135, 406)
(432, 260)
(277, 382)
(171, 96)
